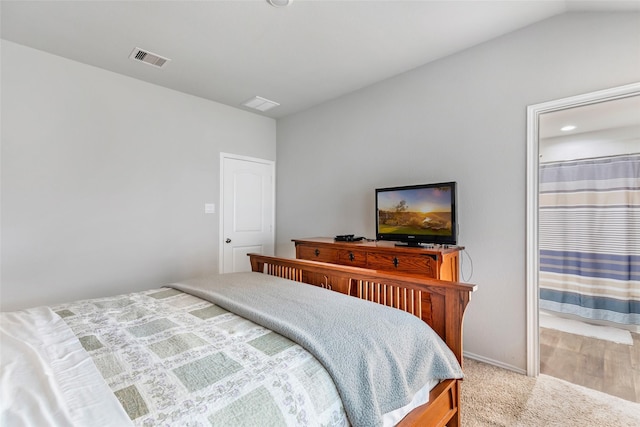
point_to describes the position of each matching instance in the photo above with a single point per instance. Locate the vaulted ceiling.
(298, 56)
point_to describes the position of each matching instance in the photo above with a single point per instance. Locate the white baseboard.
(494, 362)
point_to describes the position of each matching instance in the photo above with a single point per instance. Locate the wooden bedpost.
(455, 305)
(257, 264)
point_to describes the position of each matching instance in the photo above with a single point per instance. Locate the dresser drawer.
(419, 264)
(352, 258)
(317, 253)
(435, 263)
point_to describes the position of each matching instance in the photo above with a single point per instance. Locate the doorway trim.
(532, 253)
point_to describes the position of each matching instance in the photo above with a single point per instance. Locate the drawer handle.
(317, 252)
(351, 256)
(395, 261)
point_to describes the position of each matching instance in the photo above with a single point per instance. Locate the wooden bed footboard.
(439, 303)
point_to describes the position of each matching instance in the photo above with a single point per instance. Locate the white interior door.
(247, 206)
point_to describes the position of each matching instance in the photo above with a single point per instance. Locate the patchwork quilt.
(171, 359)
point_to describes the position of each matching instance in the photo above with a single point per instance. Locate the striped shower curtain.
(589, 234)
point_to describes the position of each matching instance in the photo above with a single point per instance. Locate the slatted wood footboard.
(438, 303)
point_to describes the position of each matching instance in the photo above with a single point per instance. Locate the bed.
(243, 349)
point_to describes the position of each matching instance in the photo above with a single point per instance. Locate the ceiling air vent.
(259, 103)
(148, 58)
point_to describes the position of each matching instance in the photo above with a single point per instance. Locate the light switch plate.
(210, 208)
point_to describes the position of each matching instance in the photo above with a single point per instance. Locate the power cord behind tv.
(465, 279)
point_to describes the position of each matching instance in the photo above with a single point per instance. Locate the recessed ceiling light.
(279, 3)
(567, 128)
(259, 103)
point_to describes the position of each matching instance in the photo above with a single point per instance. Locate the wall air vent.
(149, 58)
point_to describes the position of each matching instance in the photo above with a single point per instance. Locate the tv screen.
(417, 214)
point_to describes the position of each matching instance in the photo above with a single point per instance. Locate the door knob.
(228, 240)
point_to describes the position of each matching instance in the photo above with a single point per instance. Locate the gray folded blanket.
(378, 357)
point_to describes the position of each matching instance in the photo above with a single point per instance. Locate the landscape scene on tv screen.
(420, 211)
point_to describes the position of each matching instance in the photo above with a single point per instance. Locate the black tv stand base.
(414, 244)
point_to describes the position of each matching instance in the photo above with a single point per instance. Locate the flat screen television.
(417, 214)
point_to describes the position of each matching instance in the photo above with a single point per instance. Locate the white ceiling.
(299, 56)
(597, 117)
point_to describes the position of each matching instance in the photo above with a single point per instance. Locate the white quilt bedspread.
(156, 358)
(71, 392)
(49, 376)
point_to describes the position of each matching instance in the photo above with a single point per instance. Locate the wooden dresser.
(437, 263)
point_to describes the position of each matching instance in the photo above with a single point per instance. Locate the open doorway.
(589, 245)
(535, 131)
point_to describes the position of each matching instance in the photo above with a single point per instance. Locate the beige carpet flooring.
(492, 396)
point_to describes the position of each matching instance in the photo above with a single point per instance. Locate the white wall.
(462, 118)
(104, 179)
